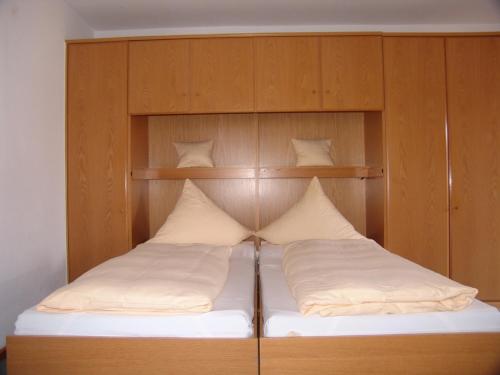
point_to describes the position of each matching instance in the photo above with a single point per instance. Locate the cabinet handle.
(314, 91)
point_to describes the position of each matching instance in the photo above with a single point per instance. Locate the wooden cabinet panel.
(415, 105)
(96, 154)
(287, 74)
(352, 73)
(473, 78)
(159, 76)
(222, 75)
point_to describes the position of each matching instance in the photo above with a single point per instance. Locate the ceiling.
(104, 15)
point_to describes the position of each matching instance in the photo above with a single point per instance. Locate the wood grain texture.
(287, 74)
(345, 130)
(375, 188)
(276, 196)
(235, 173)
(415, 110)
(193, 173)
(444, 354)
(352, 73)
(222, 75)
(233, 135)
(138, 191)
(473, 68)
(159, 76)
(97, 154)
(236, 197)
(29, 355)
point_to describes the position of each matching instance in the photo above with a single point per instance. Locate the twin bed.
(224, 340)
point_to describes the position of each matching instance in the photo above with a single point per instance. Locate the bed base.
(51, 355)
(436, 354)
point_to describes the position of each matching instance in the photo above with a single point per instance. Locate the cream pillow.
(194, 154)
(313, 217)
(312, 152)
(196, 219)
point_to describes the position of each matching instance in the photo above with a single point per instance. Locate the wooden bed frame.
(467, 354)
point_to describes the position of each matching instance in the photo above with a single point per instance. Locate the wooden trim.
(308, 172)
(251, 35)
(44, 355)
(458, 354)
(183, 173)
(263, 173)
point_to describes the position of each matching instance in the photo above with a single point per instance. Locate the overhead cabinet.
(287, 74)
(159, 76)
(191, 76)
(352, 73)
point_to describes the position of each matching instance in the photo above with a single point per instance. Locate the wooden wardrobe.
(415, 121)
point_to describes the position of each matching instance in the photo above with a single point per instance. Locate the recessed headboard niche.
(255, 179)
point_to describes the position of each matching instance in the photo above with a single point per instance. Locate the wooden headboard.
(255, 179)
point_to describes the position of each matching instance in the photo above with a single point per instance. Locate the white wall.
(32, 151)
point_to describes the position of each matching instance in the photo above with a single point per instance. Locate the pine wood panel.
(234, 138)
(345, 130)
(222, 77)
(444, 354)
(375, 188)
(159, 76)
(236, 197)
(473, 67)
(131, 356)
(97, 154)
(352, 73)
(138, 190)
(287, 74)
(415, 103)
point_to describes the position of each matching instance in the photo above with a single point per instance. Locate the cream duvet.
(350, 277)
(152, 278)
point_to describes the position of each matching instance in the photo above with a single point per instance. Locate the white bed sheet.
(282, 317)
(231, 316)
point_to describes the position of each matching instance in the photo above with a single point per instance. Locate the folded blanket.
(152, 278)
(351, 277)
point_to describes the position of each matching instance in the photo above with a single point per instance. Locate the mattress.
(231, 316)
(282, 317)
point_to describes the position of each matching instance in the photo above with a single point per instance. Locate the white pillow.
(194, 154)
(196, 219)
(312, 152)
(313, 217)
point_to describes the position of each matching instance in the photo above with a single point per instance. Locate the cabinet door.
(159, 76)
(473, 77)
(352, 73)
(222, 77)
(287, 71)
(96, 154)
(417, 175)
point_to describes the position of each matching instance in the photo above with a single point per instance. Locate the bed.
(464, 342)
(222, 341)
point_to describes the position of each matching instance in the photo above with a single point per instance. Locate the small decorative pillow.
(314, 216)
(194, 154)
(196, 219)
(312, 152)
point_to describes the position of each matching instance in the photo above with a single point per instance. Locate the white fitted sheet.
(231, 316)
(282, 317)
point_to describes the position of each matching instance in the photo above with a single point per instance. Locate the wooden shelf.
(263, 173)
(183, 173)
(308, 172)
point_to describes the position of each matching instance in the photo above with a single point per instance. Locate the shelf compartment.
(263, 173)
